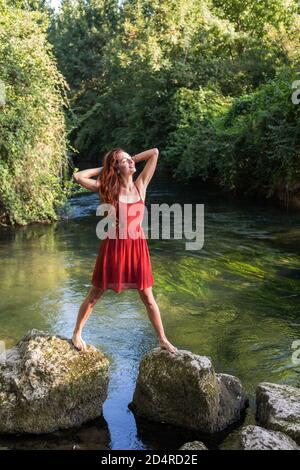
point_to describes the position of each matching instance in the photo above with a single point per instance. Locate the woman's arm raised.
(148, 171)
(84, 178)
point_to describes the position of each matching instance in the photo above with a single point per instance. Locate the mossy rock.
(183, 389)
(46, 384)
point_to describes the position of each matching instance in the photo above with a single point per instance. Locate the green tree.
(33, 137)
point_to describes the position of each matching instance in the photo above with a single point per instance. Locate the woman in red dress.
(123, 260)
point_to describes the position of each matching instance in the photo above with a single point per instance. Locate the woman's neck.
(127, 185)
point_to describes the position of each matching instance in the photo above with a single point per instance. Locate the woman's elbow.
(75, 177)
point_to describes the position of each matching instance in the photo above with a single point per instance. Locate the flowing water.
(236, 300)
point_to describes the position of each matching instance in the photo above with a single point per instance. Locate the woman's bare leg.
(155, 318)
(85, 310)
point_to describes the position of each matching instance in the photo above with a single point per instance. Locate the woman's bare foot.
(165, 344)
(78, 342)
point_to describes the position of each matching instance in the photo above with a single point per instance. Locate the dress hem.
(124, 288)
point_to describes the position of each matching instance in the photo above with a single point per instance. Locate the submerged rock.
(183, 389)
(46, 384)
(193, 445)
(278, 408)
(258, 438)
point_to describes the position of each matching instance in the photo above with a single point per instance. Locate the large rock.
(258, 438)
(193, 445)
(232, 400)
(278, 408)
(183, 389)
(46, 384)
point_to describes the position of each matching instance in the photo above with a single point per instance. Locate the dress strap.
(138, 192)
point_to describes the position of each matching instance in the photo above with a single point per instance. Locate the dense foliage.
(34, 180)
(208, 82)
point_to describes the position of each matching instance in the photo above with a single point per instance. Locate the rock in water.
(183, 389)
(193, 445)
(278, 408)
(46, 384)
(257, 438)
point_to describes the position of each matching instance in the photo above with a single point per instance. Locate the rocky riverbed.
(46, 385)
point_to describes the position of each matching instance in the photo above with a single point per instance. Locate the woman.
(122, 262)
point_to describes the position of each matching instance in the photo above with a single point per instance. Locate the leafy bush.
(33, 140)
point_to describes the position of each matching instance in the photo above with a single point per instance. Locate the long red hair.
(109, 180)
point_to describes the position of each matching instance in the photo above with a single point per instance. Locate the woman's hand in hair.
(84, 178)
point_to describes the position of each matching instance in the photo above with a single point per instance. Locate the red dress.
(124, 262)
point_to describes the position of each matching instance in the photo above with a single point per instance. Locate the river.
(237, 300)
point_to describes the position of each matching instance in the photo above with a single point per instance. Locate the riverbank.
(284, 196)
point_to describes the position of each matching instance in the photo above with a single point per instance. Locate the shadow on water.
(236, 300)
(93, 435)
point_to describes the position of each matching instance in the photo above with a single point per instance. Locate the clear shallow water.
(237, 300)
